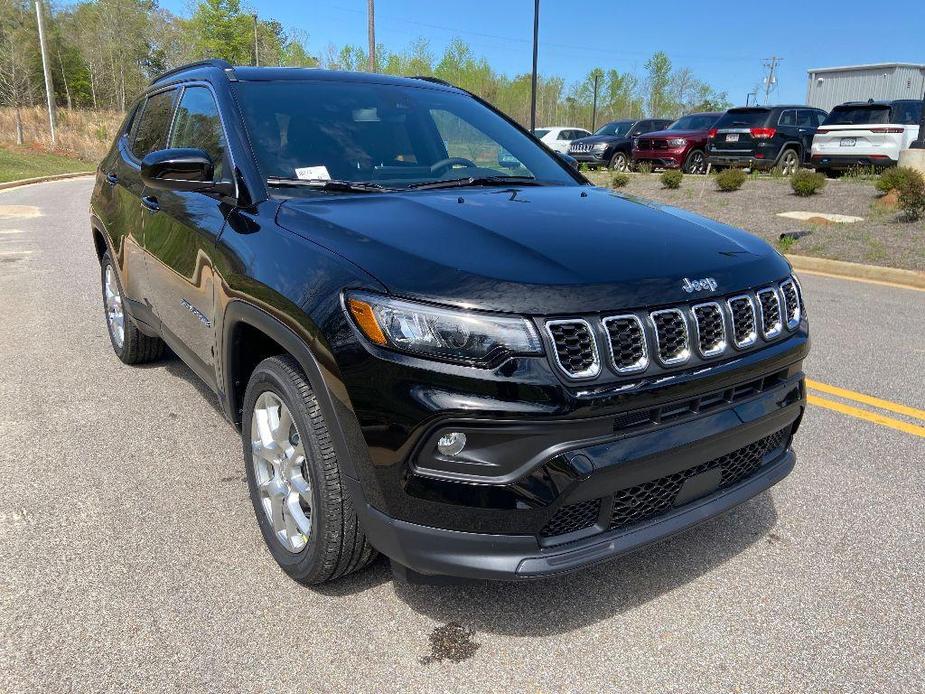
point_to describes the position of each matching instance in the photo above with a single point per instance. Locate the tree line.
(104, 52)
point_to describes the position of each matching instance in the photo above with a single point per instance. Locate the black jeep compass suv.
(478, 370)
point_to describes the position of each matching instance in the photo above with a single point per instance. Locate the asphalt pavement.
(131, 560)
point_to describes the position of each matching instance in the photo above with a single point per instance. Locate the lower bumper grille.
(656, 498)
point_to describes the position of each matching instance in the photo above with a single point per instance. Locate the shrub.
(645, 168)
(730, 180)
(912, 195)
(896, 178)
(620, 180)
(805, 182)
(672, 178)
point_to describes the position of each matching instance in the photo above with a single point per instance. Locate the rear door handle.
(149, 202)
(112, 179)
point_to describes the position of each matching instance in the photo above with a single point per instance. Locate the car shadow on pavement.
(562, 604)
(175, 366)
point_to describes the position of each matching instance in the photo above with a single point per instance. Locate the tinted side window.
(806, 119)
(155, 119)
(788, 118)
(820, 117)
(198, 125)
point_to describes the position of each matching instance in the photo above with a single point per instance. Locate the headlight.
(677, 142)
(442, 333)
(600, 147)
(636, 142)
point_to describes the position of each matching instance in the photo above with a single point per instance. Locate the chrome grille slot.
(710, 327)
(575, 347)
(673, 344)
(628, 349)
(792, 304)
(742, 309)
(771, 323)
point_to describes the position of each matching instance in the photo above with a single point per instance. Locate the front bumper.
(687, 460)
(589, 157)
(669, 159)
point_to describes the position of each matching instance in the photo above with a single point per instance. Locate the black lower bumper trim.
(433, 551)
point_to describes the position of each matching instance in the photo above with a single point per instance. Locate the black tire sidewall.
(305, 564)
(685, 168)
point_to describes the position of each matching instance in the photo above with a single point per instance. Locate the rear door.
(734, 131)
(180, 236)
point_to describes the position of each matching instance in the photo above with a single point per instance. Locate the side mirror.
(571, 161)
(186, 169)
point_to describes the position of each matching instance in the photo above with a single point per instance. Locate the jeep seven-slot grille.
(627, 343)
(576, 350)
(672, 336)
(743, 320)
(655, 498)
(771, 324)
(711, 329)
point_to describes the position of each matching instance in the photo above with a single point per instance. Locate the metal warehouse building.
(830, 86)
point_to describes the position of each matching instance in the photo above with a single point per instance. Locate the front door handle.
(112, 179)
(149, 202)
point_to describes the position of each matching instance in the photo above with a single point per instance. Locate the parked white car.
(866, 134)
(558, 138)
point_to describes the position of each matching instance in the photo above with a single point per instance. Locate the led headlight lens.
(600, 147)
(442, 333)
(677, 142)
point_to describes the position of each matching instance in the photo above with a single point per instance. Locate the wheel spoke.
(297, 521)
(276, 510)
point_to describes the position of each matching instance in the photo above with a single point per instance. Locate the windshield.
(743, 118)
(540, 132)
(618, 128)
(697, 121)
(394, 136)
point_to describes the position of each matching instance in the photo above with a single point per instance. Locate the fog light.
(451, 444)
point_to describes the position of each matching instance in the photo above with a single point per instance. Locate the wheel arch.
(250, 335)
(790, 144)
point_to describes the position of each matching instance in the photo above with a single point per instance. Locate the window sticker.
(313, 173)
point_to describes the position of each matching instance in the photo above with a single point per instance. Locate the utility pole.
(536, 38)
(371, 31)
(749, 96)
(46, 67)
(594, 106)
(256, 45)
(769, 81)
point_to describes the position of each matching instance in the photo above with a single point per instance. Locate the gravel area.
(883, 238)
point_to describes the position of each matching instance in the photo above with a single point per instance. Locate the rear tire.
(789, 162)
(303, 510)
(696, 162)
(130, 344)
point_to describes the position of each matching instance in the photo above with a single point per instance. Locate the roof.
(869, 66)
(560, 127)
(247, 73)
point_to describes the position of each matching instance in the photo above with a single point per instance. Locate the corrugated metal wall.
(828, 89)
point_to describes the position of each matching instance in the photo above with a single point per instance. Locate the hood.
(537, 250)
(668, 134)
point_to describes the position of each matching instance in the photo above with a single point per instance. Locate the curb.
(43, 179)
(854, 271)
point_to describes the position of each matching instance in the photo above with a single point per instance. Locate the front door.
(180, 236)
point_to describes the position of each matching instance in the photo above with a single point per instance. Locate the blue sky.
(723, 43)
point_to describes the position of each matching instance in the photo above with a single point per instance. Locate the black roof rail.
(211, 62)
(435, 80)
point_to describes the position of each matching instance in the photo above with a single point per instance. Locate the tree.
(658, 79)
(221, 30)
(16, 45)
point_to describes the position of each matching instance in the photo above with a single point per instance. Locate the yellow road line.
(882, 283)
(883, 420)
(866, 399)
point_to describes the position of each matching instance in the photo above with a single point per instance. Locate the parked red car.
(680, 145)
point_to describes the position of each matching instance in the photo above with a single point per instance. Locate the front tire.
(130, 344)
(302, 507)
(620, 162)
(695, 163)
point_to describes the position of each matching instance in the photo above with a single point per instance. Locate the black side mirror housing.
(186, 169)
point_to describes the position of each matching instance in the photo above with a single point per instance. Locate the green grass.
(19, 162)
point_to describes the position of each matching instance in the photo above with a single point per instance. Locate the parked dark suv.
(762, 137)
(611, 145)
(480, 371)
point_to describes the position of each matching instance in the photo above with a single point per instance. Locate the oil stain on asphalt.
(451, 642)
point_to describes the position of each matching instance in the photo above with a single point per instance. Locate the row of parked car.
(854, 134)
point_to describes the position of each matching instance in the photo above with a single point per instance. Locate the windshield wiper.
(477, 181)
(333, 184)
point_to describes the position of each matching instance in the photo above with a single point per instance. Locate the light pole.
(594, 107)
(46, 68)
(256, 45)
(536, 35)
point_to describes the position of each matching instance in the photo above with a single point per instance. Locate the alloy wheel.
(280, 472)
(789, 163)
(619, 162)
(115, 316)
(695, 165)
